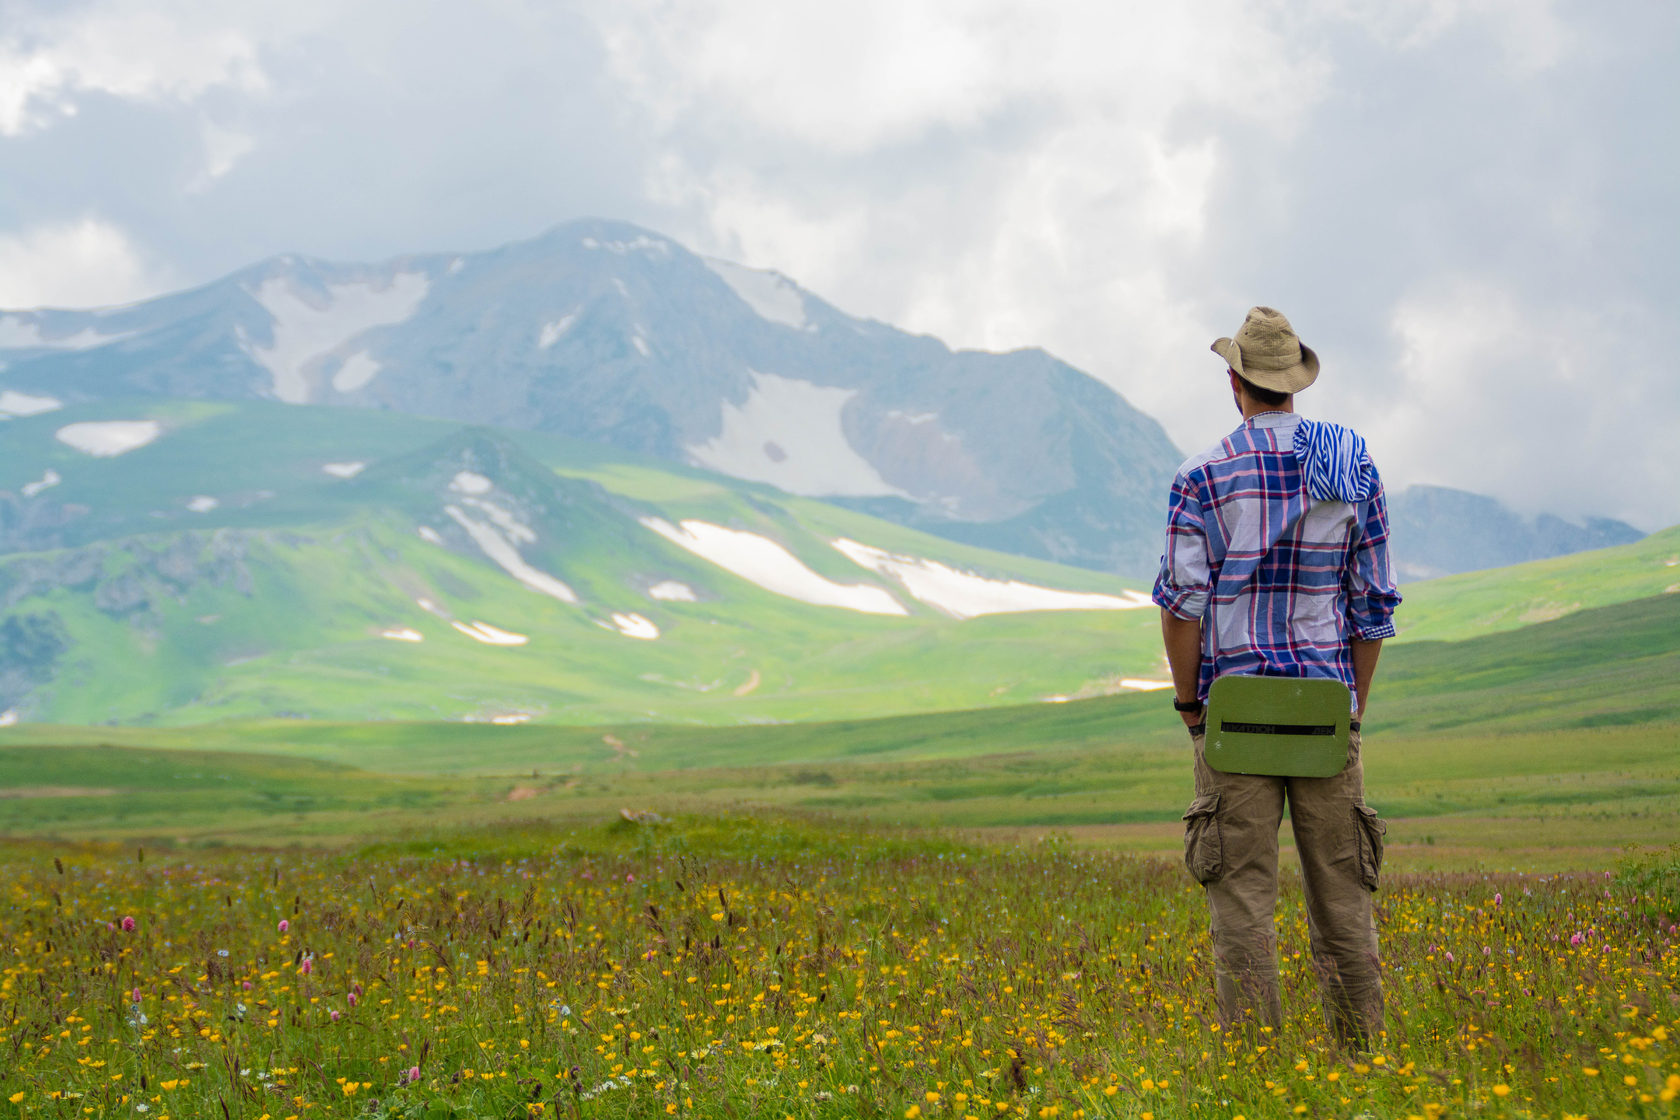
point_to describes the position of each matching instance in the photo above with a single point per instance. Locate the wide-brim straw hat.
(1266, 352)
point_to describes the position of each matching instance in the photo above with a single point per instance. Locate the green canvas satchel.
(1293, 727)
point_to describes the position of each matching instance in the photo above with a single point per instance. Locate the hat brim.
(1291, 379)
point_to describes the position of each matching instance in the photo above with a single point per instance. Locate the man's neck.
(1253, 408)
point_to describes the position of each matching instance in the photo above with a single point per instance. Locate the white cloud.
(127, 49)
(1542, 406)
(84, 263)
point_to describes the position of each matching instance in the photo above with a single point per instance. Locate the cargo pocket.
(1204, 850)
(1369, 831)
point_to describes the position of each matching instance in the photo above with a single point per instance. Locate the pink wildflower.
(284, 925)
(308, 966)
(334, 1014)
(413, 1073)
(128, 925)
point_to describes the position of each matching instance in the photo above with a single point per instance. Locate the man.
(1277, 564)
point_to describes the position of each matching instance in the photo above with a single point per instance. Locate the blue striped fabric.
(1334, 462)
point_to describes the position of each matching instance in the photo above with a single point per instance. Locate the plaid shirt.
(1281, 581)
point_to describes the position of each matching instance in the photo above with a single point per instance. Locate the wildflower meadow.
(775, 967)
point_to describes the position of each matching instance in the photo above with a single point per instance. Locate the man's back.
(1282, 578)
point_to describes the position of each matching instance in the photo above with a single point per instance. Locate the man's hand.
(1183, 639)
(1365, 656)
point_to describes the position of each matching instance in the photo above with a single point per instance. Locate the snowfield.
(356, 371)
(203, 503)
(21, 332)
(635, 626)
(672, 591)
(14, 403)
(468, 482)
(305, 328)
(506, 556)
(555, 331)
(490, 635)
(106, 438)
(46, 482)
(771, 295)
(789, 433)
(403, 634)
(772, 567)
(966, 595)
(344, 470)
(638, 244)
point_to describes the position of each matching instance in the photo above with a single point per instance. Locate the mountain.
(1437, 531)
(606, 332)
(170, 562)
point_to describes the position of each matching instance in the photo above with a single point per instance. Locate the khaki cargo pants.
(1231, 847)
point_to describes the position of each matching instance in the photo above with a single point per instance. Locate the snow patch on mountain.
(14, 403)
(638, 244)
(516, 529)
(790, 434)
(344, 470)
(305, 328)
(106, 438)
(640, 344)
(22, 332)
(46, 482)
(429, 535)
(966, 595)
(203, 503)
(635, 626)
(506, 556)
(403, 634)
(672, 591)
(356, 371)
(772, 567)
(470, 482)
(490, 635)
(555, 331)
(771, 295)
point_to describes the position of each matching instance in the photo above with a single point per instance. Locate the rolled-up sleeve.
(1183, 585)
(1371, 591)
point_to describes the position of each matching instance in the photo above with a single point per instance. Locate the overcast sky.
(1470, 208)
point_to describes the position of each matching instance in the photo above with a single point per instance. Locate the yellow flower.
(912, 1112)
(16, 1097)
(1501, 1090)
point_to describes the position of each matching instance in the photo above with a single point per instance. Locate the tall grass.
(753, 967)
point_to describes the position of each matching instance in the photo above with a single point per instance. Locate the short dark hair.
(1271, 398)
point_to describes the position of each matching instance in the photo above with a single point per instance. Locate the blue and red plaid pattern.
(1281, 581)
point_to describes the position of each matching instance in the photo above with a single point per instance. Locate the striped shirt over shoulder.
(1277, 541)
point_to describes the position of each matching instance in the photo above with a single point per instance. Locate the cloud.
(1423, 185)
(1552, 405)
(84, 263)
(128, 50)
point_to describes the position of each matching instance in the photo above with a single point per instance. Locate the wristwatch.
(1186, 705)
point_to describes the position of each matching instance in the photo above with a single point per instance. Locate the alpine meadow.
(589, 679)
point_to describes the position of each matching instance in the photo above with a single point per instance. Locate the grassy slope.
(334, 563)
(1487, 749)
(1500, 599)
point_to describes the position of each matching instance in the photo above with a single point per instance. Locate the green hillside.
(303, 594)
(1475, 603)
(1550, 746)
